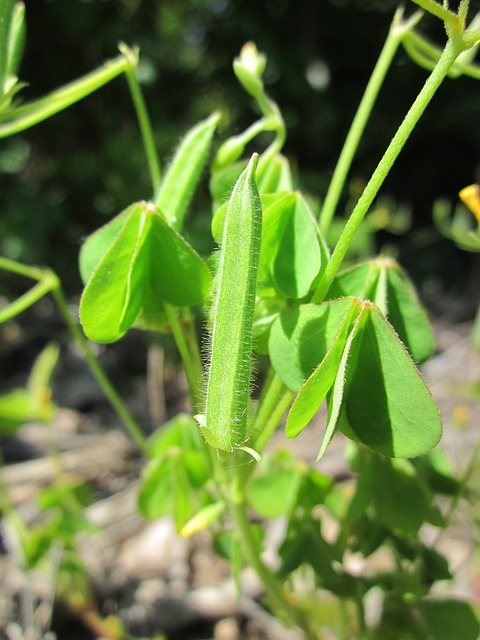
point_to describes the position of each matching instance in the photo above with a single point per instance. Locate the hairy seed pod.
(224, 424)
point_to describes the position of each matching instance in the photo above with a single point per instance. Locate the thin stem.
(21, 269)
(194, 350)
(25, 301)
(26, 116)
(471, 467)
(190, 363)
(272, 407)
(436, 9)
(51, 283)
(281, 600)
(452, 49)
(360, 608)
(143, 117)
(97, 370)
(397, 31)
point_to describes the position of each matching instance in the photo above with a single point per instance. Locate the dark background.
(66, 176)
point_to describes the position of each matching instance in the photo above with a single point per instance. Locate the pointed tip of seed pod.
(252, 165)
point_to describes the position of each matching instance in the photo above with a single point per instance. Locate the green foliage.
(133, 265)
(33, 403)
(178, 469)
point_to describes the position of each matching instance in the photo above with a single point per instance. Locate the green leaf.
(300, 339)
(364, 488)
(336, 395)
(96, 245)
(223, 181)
(407, 316)
(329, 374)
(181, 431)
(304, 544)
(267, 311)
(16, 408)
(42, 371)
(181, 489)
(435, 469)
(178, 469)
(435, 565)
(290, 251)
(177, 274)
(451, 619)
(273, 494)
(274, 175)
(145, 262)
(107, 296)
(185, 170)
(316, 488)
(34, 403)
(387, 403)
(227, 544)
(155, 497)
(169, 482)
(376, 394)
(402, 502)
(383, 282)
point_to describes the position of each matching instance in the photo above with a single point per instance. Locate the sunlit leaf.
(387, 403)
(275, 175)
(328, 375)
(300, 338)
(146, 262)
(104, 300)
(383, 282)
(96, 245)
(290, 250)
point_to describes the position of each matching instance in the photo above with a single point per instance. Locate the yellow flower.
(471, 197)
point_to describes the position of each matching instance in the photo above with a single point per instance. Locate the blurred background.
(68, 175)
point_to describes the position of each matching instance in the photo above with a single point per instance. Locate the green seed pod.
(16, 39)
(185, 170)
(224, 424)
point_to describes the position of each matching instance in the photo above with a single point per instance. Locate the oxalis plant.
(287, 325)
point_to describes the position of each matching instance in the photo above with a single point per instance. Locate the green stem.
(452, 49)
(192, 365)
(471, 467)
(396, 33)
(435, 9)
(51, 283)
(97, 370)
(271, 410)
(194, 350)
(21, 269)
(282, 601)
(26, 116)
(274, 117)
(143, 117)
(25, 301)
